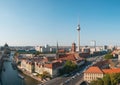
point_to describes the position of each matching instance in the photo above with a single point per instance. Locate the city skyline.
(48, 21)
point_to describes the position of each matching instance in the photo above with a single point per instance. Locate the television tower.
(78, 29)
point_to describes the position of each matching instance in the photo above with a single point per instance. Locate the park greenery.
(108, 79)
(108, 56)
(68, 67)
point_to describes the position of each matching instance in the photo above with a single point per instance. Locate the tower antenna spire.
(78, 20)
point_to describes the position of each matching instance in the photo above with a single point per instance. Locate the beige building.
(27, 65)
(92, 74)
(52, 68)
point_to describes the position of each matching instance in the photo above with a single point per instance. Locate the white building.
(119, 56)
(38, 48)
(86, 49)
(43, 49)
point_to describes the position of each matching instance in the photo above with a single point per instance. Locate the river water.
(10, 76)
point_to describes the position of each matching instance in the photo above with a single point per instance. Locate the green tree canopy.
(115, 78)
(100, 81)
(108, 56)
(69, 66)
(107, 80)
(93, 82)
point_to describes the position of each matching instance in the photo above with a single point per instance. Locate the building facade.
(94, 72)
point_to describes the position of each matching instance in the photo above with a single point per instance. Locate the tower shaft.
(78, 29)
(79, 40)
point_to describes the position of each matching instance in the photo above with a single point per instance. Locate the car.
(66, 75)
(67, 81)
(73, 77)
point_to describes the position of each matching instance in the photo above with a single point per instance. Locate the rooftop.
(93, 69)
(110, 71)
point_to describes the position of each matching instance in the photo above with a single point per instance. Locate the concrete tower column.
(78, 29)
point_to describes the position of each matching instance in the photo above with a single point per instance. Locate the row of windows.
(91, 78)
(90, 74)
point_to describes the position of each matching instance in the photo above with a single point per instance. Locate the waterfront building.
(27, 65)
(52, 68)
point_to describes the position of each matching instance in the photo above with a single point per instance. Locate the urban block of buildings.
(50, 63)
(94, 72)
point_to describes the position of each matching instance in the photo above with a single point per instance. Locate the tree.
(93, 82)
(100, 81)
(108, 56)
(115, 78)
(107, 80)
(69, 66)
(44, 75)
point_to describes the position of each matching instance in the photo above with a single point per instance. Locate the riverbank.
(30, 75)
(10, 75)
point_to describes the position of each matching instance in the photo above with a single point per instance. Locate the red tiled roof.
(53, 65)
(93, 69)
(68, 57)
(110, 71)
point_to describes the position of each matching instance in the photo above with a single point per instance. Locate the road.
(78, 78)
(76, 81)
(56, 81)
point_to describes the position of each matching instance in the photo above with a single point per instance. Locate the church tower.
(73, 49)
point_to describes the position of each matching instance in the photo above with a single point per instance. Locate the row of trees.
(108, 79)
(68, 67)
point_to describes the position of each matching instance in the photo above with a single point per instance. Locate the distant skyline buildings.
(42, 22)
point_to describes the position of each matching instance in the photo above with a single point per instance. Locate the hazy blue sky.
(39, 22)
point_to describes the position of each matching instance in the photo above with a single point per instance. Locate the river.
(10, 76)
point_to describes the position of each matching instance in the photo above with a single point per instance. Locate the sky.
(40, 22)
